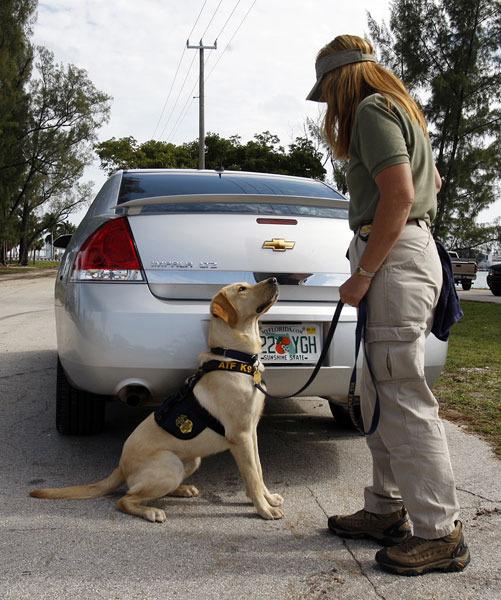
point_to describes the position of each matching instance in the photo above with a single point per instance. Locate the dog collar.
(247, 368)
(235, 355)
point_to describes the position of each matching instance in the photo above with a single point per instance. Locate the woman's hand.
(354, 289)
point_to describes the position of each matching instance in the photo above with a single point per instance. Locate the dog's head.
(242, 302)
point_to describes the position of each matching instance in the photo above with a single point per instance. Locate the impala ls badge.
(278, 245)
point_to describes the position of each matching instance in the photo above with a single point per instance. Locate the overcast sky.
(131, 50)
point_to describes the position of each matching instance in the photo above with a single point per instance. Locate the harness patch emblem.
(184, 424)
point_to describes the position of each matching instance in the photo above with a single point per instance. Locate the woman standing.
(372, 121)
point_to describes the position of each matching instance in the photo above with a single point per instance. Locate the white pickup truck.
(464, 270)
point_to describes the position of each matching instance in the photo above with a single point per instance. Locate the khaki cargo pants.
(411, 463)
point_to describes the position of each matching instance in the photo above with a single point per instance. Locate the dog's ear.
(221, 307)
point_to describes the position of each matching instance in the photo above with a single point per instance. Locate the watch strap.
(361, 271)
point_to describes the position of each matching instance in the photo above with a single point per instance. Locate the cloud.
(131, 50)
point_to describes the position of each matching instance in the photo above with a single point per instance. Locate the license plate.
(290, 342)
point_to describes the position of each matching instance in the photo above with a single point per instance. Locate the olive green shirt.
(380, 138)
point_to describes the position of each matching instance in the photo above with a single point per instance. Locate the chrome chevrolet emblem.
(278, 245)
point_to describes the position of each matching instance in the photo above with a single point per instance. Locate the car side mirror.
(63, 240)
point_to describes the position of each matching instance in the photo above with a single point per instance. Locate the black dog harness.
(182, 415)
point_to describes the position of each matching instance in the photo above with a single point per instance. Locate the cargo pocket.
(396, 353)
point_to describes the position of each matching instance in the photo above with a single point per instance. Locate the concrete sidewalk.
(213, 547)
(479, 295)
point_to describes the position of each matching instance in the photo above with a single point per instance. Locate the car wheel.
(342, 415)
(496, 290)
(466, 284)
(77, 412)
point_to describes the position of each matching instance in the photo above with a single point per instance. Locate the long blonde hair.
(345, 87)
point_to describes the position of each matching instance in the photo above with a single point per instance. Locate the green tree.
(314, 132)
(65, 111)
(55, 213)
(16, 18)
(261, 154)
(448, 53)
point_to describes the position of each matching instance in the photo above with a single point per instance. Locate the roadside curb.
(29, 275)
(479, 295)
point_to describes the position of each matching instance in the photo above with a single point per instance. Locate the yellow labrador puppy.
(154, 462)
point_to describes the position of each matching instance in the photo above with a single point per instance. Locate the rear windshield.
(149, 185)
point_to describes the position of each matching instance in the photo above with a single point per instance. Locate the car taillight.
(109, 254)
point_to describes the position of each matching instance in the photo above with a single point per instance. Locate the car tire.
(77, 412)
(342, 415)
(466, 284)
(496, 290)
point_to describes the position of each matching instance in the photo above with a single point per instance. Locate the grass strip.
(469, 389)
(32, 266)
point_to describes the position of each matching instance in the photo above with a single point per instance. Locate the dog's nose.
(272, 281)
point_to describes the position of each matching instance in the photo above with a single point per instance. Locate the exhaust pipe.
(134, 395)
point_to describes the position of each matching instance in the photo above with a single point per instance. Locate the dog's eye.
(242, 289)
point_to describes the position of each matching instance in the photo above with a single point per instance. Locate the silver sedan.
(135, 283)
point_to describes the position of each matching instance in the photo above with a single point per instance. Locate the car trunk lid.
(191, 246)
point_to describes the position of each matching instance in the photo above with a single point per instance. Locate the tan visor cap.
(331, 62)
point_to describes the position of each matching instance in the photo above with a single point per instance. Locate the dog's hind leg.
(153, 478)
(188, 491)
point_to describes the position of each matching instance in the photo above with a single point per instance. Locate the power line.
(195, 24)
(232, 37)
(182, 114)
(178, 95)
(168, 95)
(226, 22)
(187, 105)
(189, 99)
(177, 71)
(212, 19)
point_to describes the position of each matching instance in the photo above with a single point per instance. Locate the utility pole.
(201, 98)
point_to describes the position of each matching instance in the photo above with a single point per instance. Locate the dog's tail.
(83, 492)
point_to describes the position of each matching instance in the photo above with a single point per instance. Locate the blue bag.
(448, 310)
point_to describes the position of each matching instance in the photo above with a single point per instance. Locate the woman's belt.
(365, 228)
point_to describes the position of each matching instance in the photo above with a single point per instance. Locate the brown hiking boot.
(417, 555)
(388, 529)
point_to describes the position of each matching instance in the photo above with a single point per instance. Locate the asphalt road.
(213, 546)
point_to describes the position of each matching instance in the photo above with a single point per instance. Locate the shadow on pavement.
(293, 435)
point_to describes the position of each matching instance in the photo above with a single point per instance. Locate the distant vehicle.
(464, 270)
(494, 279)
(135, 284)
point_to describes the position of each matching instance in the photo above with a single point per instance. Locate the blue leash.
(321, 358)
(359, 337)
(360, 334)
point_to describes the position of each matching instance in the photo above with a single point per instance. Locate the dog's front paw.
(155, 515)
(271, 512)
(274, 499)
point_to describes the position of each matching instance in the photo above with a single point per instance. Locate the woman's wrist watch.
(361, 271)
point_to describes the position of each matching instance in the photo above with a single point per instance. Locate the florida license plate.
(290, 342)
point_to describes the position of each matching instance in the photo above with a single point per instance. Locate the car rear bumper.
(114, 335)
